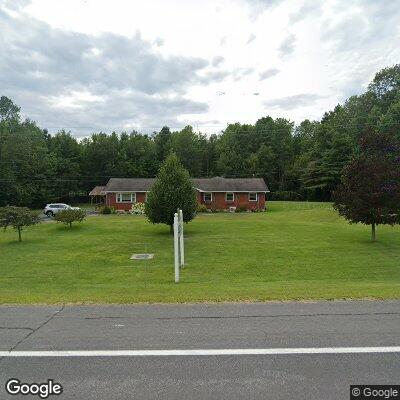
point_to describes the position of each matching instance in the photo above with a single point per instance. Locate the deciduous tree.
(369, 192)
(67, 217)
(18, 218)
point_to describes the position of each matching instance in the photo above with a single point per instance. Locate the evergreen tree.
(172, 190)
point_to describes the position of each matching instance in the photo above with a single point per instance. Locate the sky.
(120, 65)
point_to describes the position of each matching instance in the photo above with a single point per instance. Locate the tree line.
(303, 161)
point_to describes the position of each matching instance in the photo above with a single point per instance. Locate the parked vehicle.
(51, 209)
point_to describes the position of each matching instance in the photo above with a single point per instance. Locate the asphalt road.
(210, 326)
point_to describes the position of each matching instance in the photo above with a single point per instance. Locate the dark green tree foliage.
(299, 162)
(69, 216)
(17, 218)
(172, 190)
(369, 192)
(386, 84)
(187, 146)
(27, 170)
(330, 151)
(137, 156)
(65, 153)
(8, 110)
(162, 142)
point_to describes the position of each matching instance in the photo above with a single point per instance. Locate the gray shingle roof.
(216, 184)
(97, 191)
(129, 184)
(219, 184)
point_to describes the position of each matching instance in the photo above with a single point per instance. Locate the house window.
(126, 197)
(207, 197)
(229, 197)
(253, 196)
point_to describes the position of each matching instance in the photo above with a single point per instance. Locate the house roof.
(97, 191)
(129, 184)
(217, 184)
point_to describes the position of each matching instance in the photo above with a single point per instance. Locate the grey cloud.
(360, 41)
(377, 23)
(287, 46)
(293, 102)
(268, 73)
(251, 38)
(39, 64)
(239, 73)
(212, 76)
(159, 42)
(308, 9)
(62, 59)
(257, 7)
(116, 112)
(14, 4)
(217, 60)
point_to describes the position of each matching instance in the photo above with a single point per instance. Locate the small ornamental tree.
(67, 217)
(18, 218)
(172, 190)
(370, 188)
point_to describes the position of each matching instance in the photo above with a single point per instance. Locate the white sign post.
(181, 246)
(179, 250)
(176, 246)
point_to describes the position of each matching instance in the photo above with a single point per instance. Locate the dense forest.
(297, 161)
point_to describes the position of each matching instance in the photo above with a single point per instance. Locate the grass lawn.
(293, 251)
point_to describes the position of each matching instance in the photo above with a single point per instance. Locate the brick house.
(215, 193)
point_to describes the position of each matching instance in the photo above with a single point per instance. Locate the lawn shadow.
(25, 240)
(67, 228)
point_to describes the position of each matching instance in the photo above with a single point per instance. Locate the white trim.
(256, 196)
(233, 197)
(236, 191)
(127, 191)
(201, 352)
(208, 201)
(200, 190)
(133, 197)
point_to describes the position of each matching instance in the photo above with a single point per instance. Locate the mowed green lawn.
(293, 251)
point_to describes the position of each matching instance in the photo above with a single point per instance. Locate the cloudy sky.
(90, 65)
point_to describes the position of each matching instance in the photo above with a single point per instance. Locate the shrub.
(138, 208)
(202, 208)
(67, 217)
(241, 209)
(105, 210)
(17, 218)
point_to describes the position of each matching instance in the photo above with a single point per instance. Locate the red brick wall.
(218, 201)
(111, 201)
(240, 200)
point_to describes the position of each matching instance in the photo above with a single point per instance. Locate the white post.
(176, 247)
(181, 247)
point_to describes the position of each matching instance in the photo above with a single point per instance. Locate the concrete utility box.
(143, 256)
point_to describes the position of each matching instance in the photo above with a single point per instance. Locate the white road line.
(200, 352)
